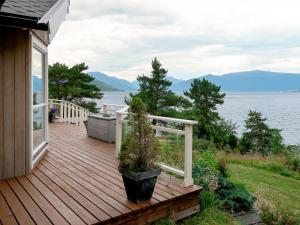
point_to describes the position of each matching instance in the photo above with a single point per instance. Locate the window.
(39, 97)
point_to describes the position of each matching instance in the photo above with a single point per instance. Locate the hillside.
(249, 81)
(104, 87)
(114, 82)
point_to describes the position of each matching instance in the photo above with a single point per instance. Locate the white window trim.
(40, 150)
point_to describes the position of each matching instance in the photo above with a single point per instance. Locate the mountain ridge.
(244, 81)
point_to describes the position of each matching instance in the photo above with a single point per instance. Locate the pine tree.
(204, 96)
(155, 92)
(259, 137)
(73, 84)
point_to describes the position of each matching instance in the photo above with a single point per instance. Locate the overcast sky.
(190, 38)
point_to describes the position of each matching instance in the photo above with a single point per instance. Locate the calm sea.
(281, 109)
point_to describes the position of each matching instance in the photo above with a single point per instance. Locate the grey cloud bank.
(191, 37)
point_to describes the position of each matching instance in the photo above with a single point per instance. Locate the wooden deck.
(78, 182)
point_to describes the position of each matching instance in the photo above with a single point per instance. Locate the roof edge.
(55, 16)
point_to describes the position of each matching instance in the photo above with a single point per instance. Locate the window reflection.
(37, 78)
(38, 126)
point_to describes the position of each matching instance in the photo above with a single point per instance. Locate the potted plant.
(139, 155)
(52, 115)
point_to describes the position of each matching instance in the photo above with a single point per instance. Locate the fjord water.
(281, 108)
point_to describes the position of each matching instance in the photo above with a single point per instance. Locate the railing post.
(51, 104)
(188, 155)
(104, 109)
(61, 109)
(81, 117)
(119, 118)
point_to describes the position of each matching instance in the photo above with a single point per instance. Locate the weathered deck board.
(78, 182)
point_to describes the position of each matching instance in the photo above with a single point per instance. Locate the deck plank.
(68, 214)
(16, 206)
(6, 215)
(78, 182)
(48, 209)
(32, 208)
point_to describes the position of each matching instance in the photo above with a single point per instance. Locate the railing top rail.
(58, 100)
(124, 111)
(113, 105)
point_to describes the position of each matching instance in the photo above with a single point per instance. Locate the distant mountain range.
(248, 81)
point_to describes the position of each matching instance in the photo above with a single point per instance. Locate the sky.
(190, 38)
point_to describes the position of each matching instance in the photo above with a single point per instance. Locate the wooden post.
(119, 118)
(188, 155)
(61, 113)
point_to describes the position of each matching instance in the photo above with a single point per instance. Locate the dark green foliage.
(156, 94)
(204, 97)
(73, 84)
(209, 173)
(140, 148)
(233, 197)
(259, 137)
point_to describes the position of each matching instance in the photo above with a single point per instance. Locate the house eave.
(13, 20)
(55, 16)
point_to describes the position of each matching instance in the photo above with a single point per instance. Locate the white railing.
(186, 173)
(68, 112)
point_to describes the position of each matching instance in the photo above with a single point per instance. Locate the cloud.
(191, 37)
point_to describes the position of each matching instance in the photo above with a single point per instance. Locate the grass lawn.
(269, 186)
(211, 216)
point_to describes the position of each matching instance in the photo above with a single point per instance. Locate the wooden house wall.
(15, 100)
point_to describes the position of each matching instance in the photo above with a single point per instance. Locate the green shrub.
(233, 197)
(293, 162)
(277, 216)
(205, 176)
(203, 145)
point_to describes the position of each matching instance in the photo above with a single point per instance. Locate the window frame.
(40, 149)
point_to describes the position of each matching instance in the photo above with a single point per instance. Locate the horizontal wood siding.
(13, 91)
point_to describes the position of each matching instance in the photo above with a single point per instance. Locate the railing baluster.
(119, 118)
(188, 155)
(69, 113)
(76, 115)
(81, 116)
(61, 109)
